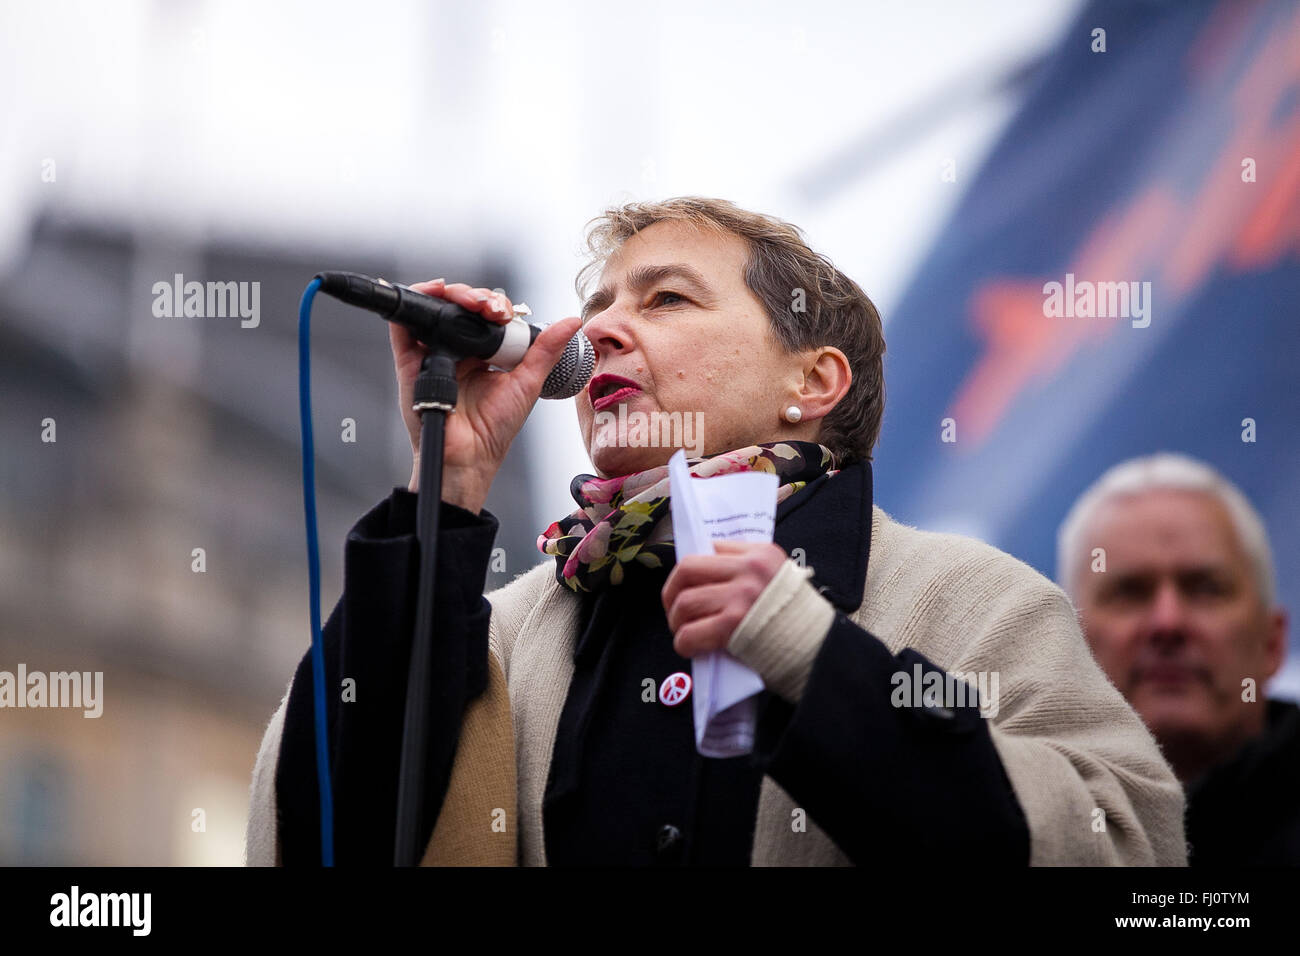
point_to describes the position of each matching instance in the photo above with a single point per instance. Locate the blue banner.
(1122, 277)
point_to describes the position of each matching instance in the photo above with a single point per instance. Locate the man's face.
(1176, 619)
(673, 315)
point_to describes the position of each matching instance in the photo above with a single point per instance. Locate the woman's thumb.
(549, 346)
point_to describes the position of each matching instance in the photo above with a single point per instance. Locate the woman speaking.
(923, 693)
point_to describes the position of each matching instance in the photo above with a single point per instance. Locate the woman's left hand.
(707, 596)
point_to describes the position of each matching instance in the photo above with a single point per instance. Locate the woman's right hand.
(491, 407)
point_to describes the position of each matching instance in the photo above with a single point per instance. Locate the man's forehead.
(1165, 527)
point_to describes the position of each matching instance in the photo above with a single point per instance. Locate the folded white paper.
(736, 507)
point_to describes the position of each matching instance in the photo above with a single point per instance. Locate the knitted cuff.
(782, 633)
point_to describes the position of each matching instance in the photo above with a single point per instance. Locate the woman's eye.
(659, 298)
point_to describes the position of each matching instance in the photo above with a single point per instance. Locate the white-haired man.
(1171, 571)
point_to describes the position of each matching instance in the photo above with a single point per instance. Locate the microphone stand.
(435, 396)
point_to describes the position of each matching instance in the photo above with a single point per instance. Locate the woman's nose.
(608, 331)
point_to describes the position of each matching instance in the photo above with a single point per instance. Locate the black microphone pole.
(435, 397)
(435, 694)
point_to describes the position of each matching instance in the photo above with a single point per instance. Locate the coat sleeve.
(1055, 769)
(261, 841)
(884, 781)
(367, 642)
(1092, 780)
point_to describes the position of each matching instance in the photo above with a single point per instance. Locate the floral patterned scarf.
(628, 519)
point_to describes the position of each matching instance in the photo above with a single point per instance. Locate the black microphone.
(444, 325)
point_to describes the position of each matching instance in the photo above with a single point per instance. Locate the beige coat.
(1069, 742)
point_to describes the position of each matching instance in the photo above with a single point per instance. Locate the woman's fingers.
(545, 352)
(707, 596)
(403, 341)
(705, 635)
(699, 569)
(696, 570)
(703, 601)
(493, 306)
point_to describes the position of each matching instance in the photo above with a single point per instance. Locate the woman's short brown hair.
(810, 303)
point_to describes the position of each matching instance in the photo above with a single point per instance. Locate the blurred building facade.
(158, 537)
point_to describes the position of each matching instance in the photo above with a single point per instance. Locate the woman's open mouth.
(613, 398)
(607, 390)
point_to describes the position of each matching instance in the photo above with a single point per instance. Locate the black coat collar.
(830, 520)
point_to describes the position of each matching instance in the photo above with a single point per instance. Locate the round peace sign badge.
(675, 688)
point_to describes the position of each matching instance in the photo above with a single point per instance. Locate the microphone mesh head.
(573, 371)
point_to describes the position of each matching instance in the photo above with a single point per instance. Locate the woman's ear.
(827, 377)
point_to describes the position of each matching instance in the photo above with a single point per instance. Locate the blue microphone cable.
(313, 574)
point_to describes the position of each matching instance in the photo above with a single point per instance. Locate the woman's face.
(673, 318)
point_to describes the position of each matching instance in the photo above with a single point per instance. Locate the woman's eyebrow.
(643, 277)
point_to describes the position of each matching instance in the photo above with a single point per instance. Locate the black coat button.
(668, 840)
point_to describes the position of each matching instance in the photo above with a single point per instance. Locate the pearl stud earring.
(793, 414)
